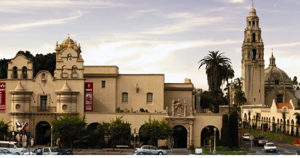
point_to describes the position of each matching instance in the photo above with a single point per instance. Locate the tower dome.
(68, 42)
(252, 12)
(275, 76)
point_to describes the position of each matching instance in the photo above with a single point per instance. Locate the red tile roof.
(280, 105)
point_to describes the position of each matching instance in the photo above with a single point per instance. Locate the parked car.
(50, 151)
(32, 152)
(246, 136)
(270, 147)
(151, 149)
(260, 140)
(13, 147)
(7, 152)
(64, 152)
(142, 153)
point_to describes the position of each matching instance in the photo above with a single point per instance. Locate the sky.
(152, 36)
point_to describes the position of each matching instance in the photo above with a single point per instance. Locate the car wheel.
(160, 153)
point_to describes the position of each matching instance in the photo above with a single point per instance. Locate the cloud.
(25, 4)
(283, 45)
(234, 1)
(184, 22)
(39, 23)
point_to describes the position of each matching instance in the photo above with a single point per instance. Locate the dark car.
(260, 140)
(64, 152)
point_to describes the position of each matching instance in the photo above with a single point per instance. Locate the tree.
(206, 100)
(69, 127)
(249, 118)
(216, 66)
(234, 129)
(256, 117)
(3, 128)
(155, 130)
(225, 131)
(297, 115)
(118, 130)
(295, 83)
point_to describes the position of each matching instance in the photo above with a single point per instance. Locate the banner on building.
(88, 100)
(2, 95)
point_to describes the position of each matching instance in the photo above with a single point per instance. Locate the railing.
(43, 109)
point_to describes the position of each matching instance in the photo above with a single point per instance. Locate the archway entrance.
(40, 132)
(143, 139)
(180, 137)
(207, 134)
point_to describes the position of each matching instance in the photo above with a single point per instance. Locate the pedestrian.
(39, 151)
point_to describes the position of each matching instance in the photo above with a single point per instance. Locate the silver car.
(6, 152)
(151, 149)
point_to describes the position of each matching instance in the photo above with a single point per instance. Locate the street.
(283, 148)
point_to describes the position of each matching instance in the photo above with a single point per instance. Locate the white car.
(246, 136)
(151, 149)
(270, 147)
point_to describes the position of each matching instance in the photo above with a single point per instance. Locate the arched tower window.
(69, 57)
(74, 69)
(253, 54)
(24, 72)
(253, 37)
(15, 72)
(279, 98)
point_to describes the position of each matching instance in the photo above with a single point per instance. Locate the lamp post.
(51, 137)
(215, 142)
(134, 136)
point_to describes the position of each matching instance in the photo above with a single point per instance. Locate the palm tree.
(228, 74)
(297, 119)
(216, 65)
(249, 114)
(257, 116)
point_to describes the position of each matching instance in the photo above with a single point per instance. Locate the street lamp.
(134, 136)
(215, 151)
(51, 137)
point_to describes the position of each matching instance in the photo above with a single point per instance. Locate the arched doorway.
(40, 132)
(180, 137)
(143, 139)
(207, 134)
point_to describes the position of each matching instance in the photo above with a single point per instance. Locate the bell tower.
(253, 61)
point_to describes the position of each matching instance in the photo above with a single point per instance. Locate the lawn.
(276, 136)
(224, 151)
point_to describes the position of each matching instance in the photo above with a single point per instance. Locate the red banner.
(2, 95)
(88, 99)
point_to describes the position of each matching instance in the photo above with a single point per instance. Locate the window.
(149, 97)
(124, 97)
(15, 72)
(279, 98)
(43, 103)
(103, 84)
(24, 72)
(64, 107)
(276, 82)
(253, 37)
(253, 54)
(69, 57)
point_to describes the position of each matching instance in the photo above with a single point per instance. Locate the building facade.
(100, 93)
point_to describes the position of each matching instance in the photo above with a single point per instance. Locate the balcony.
(43, 109)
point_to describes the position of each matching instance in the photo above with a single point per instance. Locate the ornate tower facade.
(253, 61)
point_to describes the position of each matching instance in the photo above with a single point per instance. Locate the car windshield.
(17, 145)
(270, 145)
(54, 149)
